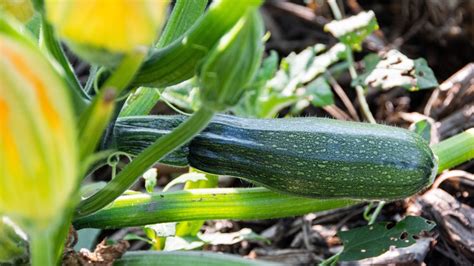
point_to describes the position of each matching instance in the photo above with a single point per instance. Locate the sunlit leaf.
(162, 229)
(193, 177)
(231, 238)
(394, 69)
(353, 30)
(189, 243)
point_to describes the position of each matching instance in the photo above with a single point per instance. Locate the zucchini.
(312, 157)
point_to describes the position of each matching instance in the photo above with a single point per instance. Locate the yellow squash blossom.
(20, 9)
(38, 153)
(93, 27)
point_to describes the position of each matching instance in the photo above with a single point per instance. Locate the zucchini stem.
(455, 150)
(204, 204)
(164, 145)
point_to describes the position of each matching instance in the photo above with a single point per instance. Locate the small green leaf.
(320, 92)
(425, 78)
(353, 30)
(373, 240)
(422, 128)
(266, 72)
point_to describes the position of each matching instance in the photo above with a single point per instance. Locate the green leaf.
(320, 92)
(285, 87)
(425, 78)
(373, 240)
(422, 128)
(270, 106)
(267, 71)
(353, 30)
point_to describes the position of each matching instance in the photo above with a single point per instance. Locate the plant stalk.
(204, 204)
(455, 150)
(41, 248)
(164, 145)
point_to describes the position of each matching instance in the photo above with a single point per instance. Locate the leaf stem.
(376, 213)
(164, 145)
(352, 71)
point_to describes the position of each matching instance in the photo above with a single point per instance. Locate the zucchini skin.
(312, 157)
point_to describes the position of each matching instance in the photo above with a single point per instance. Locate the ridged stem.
(164, 145)
(455, 150)
(204, 204)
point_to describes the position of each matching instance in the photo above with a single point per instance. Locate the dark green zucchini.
(314, 157)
